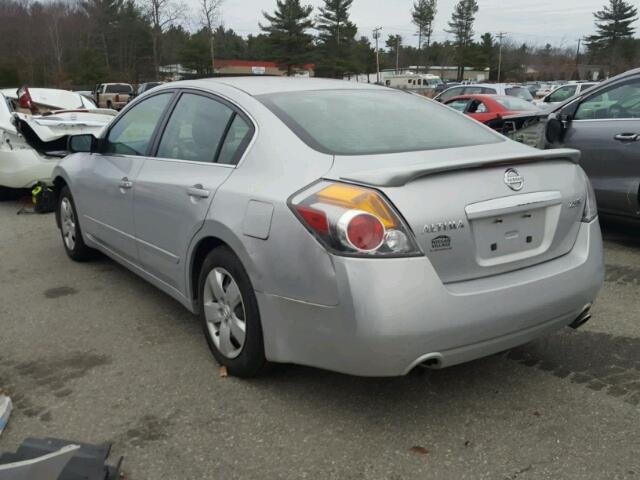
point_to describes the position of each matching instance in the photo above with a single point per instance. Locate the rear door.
(606, 129)
(201, 142)
(104, 188)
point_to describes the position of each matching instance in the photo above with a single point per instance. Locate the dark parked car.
(604, 124)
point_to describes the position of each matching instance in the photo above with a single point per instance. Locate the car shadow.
(623, 234)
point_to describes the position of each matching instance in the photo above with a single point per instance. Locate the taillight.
(590, 206)
(24, 97)
(353, 220)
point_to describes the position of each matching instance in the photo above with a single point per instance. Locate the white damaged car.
(34, 127)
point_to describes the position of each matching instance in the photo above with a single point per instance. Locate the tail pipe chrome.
(583, 318)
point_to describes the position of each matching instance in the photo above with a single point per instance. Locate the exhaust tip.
(583, 318)
(432, 363)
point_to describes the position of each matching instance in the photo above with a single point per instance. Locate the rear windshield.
(361, 122)
(515, 104)
(119, 88)
(519, 92)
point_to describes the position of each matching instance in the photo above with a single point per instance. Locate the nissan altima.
(344, 226)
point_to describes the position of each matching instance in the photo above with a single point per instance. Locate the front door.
(174, 190)
(606, 129)
(106, 184)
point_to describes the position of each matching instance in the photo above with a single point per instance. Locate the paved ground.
(91, 352)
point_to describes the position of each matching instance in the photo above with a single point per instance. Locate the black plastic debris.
(88, 463)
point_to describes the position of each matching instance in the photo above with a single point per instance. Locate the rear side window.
(132, 133)
(361, 122)
(453, 92)
(236, 141)
(195, 130)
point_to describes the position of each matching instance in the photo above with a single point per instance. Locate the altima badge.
(513, 179)
(443, 226)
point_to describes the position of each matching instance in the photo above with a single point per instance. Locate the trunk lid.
(482, 213)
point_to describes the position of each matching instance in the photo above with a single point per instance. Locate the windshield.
(360, 122)
(519, 92)
(515, 104)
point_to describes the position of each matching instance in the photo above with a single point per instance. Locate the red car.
(487, 108)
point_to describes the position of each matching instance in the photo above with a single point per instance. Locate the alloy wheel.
(224, 312)
(68, 223)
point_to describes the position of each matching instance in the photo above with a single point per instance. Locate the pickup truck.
(112, 95)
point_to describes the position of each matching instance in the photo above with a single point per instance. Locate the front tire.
(229, 314)
(72, 239)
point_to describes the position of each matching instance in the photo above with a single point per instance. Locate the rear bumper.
(22, 168)
(394, 314)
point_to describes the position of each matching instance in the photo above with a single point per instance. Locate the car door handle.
(627, 137)
(198, 191)
(125, 184)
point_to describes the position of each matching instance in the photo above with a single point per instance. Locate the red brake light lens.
(316, 219)
(361, 230)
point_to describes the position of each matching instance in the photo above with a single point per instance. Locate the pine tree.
(287, 34)
(423, 15)
(336, 38)
(461, 26)
(613, 23)
(394, 44)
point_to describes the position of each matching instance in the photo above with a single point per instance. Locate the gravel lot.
(93, 353)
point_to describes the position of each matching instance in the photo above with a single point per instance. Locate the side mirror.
(509, 127)
(555, 128)
(86, 143)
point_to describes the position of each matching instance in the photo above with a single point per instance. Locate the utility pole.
(376, 35)
(500, 35)
(398, 43)
(578, 60)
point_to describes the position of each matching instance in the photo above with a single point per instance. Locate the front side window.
(195, 130)
(132, 133)
(618, 102)
(370, 121)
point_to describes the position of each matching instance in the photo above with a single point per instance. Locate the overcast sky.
(559, 22)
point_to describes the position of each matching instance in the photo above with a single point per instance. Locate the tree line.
(76, 44)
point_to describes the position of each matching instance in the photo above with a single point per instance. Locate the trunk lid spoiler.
(400, 174)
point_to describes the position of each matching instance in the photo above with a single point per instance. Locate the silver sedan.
(344, 226)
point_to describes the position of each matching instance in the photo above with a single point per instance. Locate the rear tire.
(229, 314)
(72, 239)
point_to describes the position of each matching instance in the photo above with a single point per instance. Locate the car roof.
(260, 85)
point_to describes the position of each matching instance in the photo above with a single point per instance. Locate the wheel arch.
(209, 238)
(59, 182)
